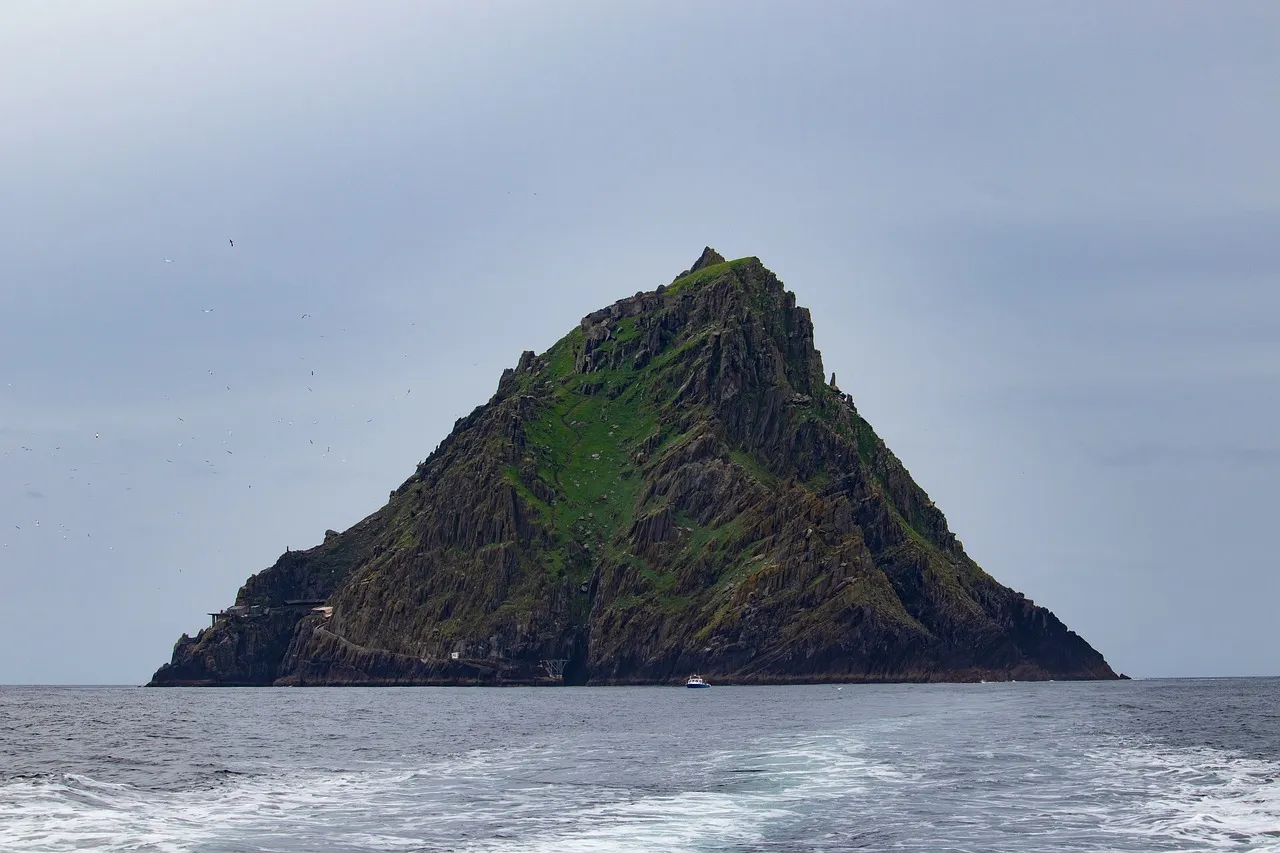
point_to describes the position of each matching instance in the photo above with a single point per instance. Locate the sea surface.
(1141, 765)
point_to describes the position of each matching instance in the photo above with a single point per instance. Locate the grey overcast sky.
(1040, 241)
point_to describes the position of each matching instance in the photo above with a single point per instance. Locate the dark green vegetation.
(672, 487)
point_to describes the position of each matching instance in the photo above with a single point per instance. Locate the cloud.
(1032, 241)
(1247, 455)
(1214, 455)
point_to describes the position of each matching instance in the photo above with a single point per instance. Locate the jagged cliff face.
(672, 487)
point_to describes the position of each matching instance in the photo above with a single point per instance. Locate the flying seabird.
(232, 242)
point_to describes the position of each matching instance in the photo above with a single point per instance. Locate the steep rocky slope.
(673, 487)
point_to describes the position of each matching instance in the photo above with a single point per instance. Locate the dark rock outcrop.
(709, 257)
(673, 486)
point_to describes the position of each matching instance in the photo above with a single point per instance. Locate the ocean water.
(1128, 766)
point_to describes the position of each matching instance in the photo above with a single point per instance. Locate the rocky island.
(674, 486)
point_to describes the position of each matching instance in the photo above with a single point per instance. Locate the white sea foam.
(1199, 798)
(483, 800)
(907, 785)
(777, 784)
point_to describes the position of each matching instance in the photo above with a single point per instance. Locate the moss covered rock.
(672, 487)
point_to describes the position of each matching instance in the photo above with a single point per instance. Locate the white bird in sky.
(167, 261)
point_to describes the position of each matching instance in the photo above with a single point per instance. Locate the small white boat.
(696, 681)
